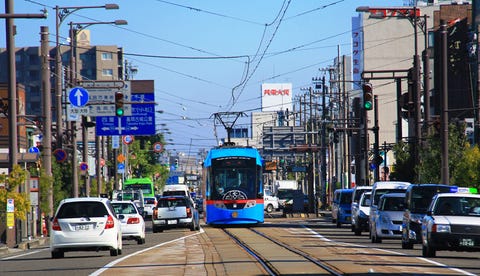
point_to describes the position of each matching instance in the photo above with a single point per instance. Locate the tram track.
(276, 257)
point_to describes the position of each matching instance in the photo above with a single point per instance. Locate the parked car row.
(438, 216)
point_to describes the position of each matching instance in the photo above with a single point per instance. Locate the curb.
(25, 245)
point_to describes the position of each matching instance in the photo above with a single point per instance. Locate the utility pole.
(47, 113)
(323, 194)
(475, 28)
(444, 92)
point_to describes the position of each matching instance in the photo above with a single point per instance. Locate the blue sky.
(197, 52)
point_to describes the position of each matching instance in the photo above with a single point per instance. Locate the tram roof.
(232, 152)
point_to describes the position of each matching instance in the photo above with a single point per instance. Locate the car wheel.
(58, 254)
(428, 251)
(154, 229)
(269, 208)
(358, 232)
(407, 245)
(114, 252)
(192, 226)
(140, 241)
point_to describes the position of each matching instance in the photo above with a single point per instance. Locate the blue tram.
(233, 186)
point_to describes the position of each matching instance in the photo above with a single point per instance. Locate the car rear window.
(82, 209)
(124, 208)
(174, 193)
(171, 202)
(149, 200)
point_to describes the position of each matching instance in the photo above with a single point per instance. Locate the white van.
(177, 190)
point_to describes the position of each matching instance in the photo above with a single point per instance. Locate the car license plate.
(172, 221)
(81, 227)
(467, 242)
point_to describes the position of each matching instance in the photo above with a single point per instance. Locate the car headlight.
(362, 214)
(441, 228)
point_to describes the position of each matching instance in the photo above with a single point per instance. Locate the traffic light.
(367, 96)
(119, 101)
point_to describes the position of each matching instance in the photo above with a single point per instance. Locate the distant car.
(360, 214)
(150, 203)
(85, 224)
(389, 213)
(270, 201)
(133, 225)
(452, 223)
(342, 207)
(358, 191)
(285, 197)
(173, 212)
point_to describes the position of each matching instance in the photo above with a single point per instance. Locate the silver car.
(389, 213)
(175, 212)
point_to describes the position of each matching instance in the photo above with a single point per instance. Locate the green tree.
(467, 173)
(403, 169)
(16, 178)
(429, 169)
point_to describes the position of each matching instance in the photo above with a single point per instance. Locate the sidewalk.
(24, 245)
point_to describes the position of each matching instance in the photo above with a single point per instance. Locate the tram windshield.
(234, 179)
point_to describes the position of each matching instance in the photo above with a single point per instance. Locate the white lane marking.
(25, 254)
(391, 252)
(113, 263)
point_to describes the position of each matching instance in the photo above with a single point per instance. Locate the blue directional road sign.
(78, 96)
(142, 121)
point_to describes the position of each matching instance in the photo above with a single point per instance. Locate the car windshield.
(393, 204)
(174, 193)
(380, 192)
(365, 200)
(82, 209)
(124, 208)
(346, 198)
(457, 206)
(286, 194)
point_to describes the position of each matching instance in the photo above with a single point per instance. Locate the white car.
(360, 214)
(85, 224)
(452, 223)
(175, 212)
(150, 203)
(270, 202)
(389, 213)
(133, 225)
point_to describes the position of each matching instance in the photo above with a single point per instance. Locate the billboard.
(276, 96)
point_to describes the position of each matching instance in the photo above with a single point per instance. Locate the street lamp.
(61, 14)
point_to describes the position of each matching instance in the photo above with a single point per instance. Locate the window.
(107, 72)
(107, 56)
